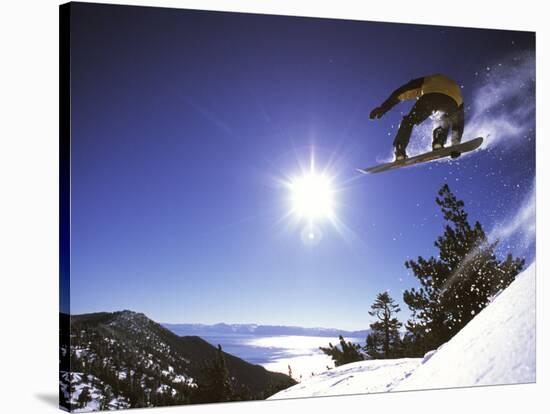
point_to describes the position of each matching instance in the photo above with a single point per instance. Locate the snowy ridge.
(498, 346)
(115, 355)
(118, 360)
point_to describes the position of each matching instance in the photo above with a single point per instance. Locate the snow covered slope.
(355, 378)
(498, 346)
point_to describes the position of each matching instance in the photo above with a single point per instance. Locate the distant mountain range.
(183, 329)
(125, 360)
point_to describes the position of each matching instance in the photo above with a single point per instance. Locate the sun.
(312, 196)
(314, 200)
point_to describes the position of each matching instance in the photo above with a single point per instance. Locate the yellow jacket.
(431, 84)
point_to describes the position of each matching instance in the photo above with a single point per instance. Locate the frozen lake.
(276, 353)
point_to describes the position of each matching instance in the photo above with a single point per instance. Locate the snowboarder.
(433, 94)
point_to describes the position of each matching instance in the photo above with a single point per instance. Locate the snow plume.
(421, 137)
(500, 107)
(520, 225)
(503, 104)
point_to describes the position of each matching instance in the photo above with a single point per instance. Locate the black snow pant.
(426, 105)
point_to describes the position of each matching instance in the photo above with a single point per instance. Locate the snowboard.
(425, 157)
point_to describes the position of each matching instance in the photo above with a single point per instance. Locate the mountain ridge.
(123, 359)
(259, 330)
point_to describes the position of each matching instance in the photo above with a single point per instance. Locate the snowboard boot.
(400, 153)
(439, 138)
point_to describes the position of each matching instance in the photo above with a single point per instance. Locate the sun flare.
(312, 196)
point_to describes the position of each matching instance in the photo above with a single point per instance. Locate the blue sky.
(184, 123)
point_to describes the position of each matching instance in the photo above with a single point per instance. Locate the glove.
(376, 113)
(455, 154)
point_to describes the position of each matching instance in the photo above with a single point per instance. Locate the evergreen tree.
(216, 385)
(372, 347)
(241, 393)
(274, 388)
(346, 353)
(384, 341)
(84, 397)
(458, 283)
(107, 397)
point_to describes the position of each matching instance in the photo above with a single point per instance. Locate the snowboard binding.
(400, 153)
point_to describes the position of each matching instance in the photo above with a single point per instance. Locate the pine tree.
(84, 397)
(216, 385)
(107, 397)
(346, 353)
(384, 340)
(372, 347)
(458, 283)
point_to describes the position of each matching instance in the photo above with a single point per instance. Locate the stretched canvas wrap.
(268, 207)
